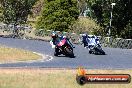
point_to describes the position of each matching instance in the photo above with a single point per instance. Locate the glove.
(53, 46)
(51, 43)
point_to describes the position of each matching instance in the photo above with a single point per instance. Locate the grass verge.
(46, 78)
(13, 55)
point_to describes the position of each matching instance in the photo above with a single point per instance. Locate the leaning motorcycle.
(64, 48)
(96, 49)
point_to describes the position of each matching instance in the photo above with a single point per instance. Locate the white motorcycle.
(96, 49)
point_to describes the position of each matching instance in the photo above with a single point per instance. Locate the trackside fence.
(75, 38)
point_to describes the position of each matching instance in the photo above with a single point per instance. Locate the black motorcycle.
(64, 48)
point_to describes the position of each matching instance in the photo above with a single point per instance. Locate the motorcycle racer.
(57, 38)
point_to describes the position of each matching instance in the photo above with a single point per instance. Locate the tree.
(1, 12)
(121, 14)
(82, 5)
(58, 15)
(16, 12)
(37, 8)
(101, 10)
(127, 32)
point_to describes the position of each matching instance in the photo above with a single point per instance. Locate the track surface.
(115, 58)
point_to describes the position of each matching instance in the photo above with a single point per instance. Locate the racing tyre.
(99, 51)
(90, 52)
(55, 54)
(69, 53)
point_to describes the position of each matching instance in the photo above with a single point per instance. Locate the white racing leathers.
(92, 41)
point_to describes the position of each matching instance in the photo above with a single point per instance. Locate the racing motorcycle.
(63, 47)
(96, 49)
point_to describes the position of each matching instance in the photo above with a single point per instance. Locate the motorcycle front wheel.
(69, 52)
(56, 53)
(99, 51)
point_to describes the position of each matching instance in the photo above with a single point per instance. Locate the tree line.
(121, 25)
(62, 14)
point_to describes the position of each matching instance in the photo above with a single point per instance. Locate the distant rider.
(89, 40)
(84, 39)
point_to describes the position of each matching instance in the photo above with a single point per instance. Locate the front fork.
(68, 41)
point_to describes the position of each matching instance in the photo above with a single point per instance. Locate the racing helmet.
(84, 35)
(54, 35)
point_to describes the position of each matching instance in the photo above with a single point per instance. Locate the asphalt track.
(115, 59)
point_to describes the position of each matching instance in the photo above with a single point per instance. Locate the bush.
(40, 32)
(88, 25)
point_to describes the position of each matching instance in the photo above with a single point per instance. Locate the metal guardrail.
(75, 38)
(117, 43)
(10, 30)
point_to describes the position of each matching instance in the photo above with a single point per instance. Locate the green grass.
(13, 55)
(44, 78)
